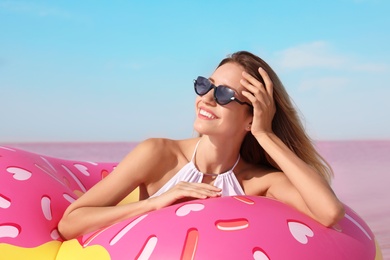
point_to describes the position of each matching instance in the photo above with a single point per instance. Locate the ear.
(248, 127)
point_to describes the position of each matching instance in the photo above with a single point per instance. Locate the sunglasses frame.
(212, 86)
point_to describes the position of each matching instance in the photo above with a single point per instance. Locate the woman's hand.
(186, 191)
(262, 100)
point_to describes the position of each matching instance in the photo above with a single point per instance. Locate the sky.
(118, 71)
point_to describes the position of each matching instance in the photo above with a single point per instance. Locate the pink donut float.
(35, 190)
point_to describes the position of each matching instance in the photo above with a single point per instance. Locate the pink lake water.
(362, 173)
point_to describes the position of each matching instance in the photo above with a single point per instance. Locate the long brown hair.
(286, 123)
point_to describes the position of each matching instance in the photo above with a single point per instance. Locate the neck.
(215, 156)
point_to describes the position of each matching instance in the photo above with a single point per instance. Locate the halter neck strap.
(196, 148)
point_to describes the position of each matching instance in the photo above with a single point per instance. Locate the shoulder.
(154, 149)
(163, 149)
(164, 144)
(258, 179)
(156, 145)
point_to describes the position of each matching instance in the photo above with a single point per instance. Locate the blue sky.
(123, 70)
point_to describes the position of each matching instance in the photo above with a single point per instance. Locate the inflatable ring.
(35, 190)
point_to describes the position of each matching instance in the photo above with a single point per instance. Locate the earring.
(248, 128)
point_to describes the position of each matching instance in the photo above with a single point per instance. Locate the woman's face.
(230, 119)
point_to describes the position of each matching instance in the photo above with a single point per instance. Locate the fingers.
(254, 86)
(261, 97)
(196, 190)
(255, 90)
(268, 83)
(184, 191)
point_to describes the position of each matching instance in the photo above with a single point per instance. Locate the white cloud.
(371, 67)
(324, 83)
(320, 54)
(314, 54)
(44, 11)
(33, 9)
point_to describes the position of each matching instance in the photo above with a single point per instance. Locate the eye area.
(223, 95)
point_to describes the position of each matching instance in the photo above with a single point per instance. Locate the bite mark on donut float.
(232, 224)
(190, 244)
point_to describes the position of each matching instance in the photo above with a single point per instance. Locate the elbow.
(64, 230)
(333, 215)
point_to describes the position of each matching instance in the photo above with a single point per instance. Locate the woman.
(251, 142)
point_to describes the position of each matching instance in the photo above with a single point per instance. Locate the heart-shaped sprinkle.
(300, 231)
(19, 173)
(187, 208)
(83, 169)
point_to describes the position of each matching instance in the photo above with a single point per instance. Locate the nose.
(208, 98)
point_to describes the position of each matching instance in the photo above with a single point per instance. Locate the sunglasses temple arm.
(242, 103)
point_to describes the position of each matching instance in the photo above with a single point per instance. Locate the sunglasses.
(222, 95)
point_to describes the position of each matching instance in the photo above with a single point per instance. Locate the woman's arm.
(97, 208)
(303, 188)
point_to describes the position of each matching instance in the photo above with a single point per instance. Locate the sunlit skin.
(155, 161)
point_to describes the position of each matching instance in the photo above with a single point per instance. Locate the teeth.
(206, 114)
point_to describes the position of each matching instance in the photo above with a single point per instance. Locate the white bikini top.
(226, 181)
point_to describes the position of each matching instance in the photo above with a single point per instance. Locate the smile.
(207, 114)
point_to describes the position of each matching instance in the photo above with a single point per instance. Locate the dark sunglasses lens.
(224, 95)
(202, 86)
